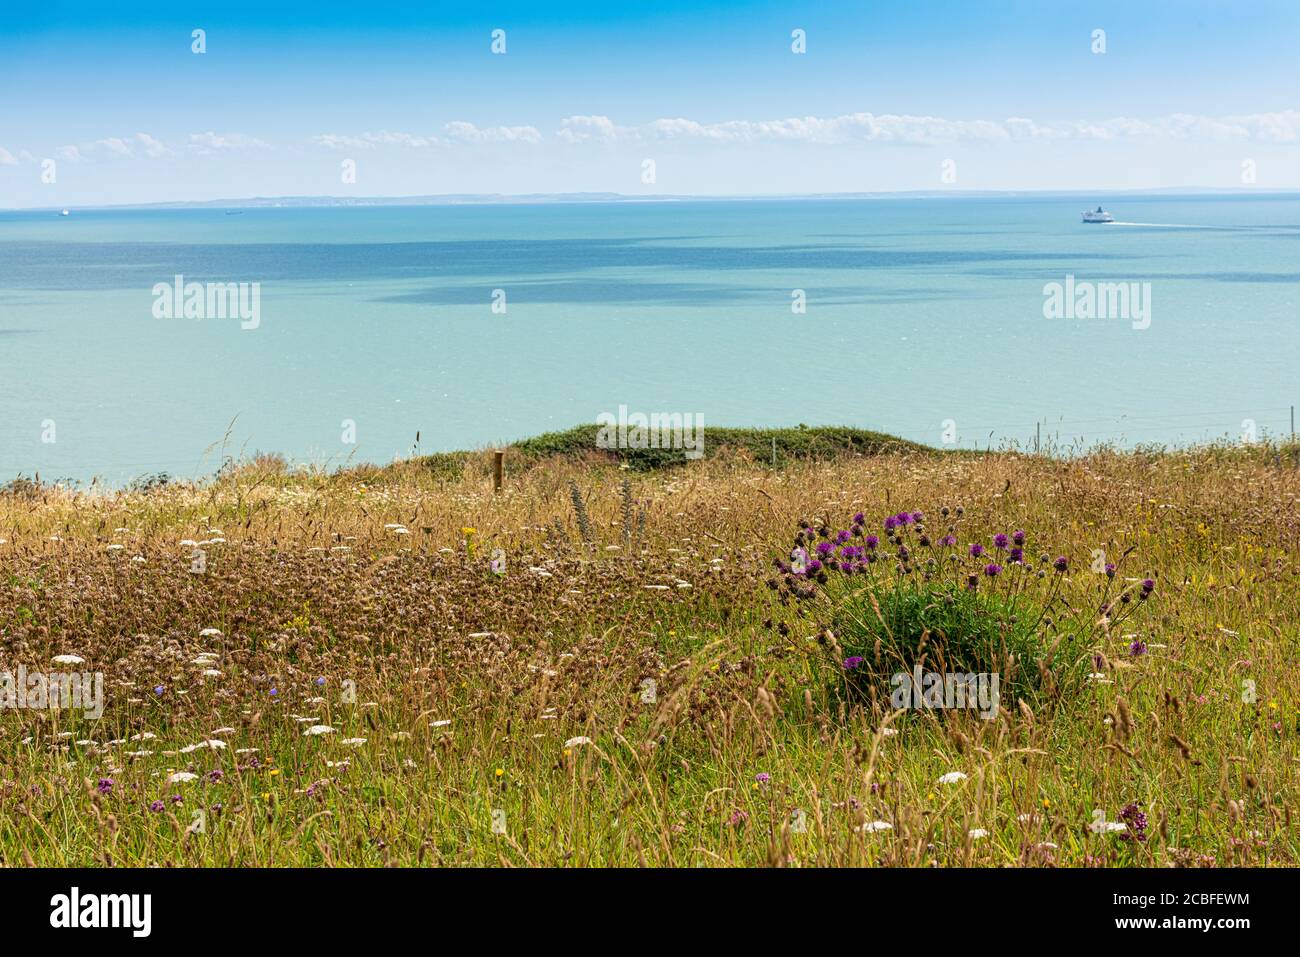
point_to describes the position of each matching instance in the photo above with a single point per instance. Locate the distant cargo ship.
(1100, 216)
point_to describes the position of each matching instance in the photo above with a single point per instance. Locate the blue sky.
(888, 96)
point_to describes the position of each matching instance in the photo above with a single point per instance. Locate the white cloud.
(212, 142)
(118, 147)
(367, 141)
(904, 129)
(601, 129)
(463, 132)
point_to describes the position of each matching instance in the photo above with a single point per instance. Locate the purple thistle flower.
(1132, 815)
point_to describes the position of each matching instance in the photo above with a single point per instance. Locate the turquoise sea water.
(919, 311)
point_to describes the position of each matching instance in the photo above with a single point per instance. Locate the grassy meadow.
(601, 665)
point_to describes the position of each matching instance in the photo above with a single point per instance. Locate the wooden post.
(498, 469)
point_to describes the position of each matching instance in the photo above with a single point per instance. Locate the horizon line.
(597, 197)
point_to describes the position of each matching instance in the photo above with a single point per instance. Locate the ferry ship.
(1100, 216)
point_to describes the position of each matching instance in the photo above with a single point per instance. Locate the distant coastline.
(595, 198)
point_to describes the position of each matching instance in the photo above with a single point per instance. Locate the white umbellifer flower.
(576, 741)
(976, 833)
(181, 777)
(871, 827)
(1107, 827)
(952, 777)
(441, 724)
(316, 729)
(354, 742)
(69, 660)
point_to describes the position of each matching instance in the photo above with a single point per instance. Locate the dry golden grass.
(328, 613)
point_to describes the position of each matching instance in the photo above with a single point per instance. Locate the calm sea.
(924, 318)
